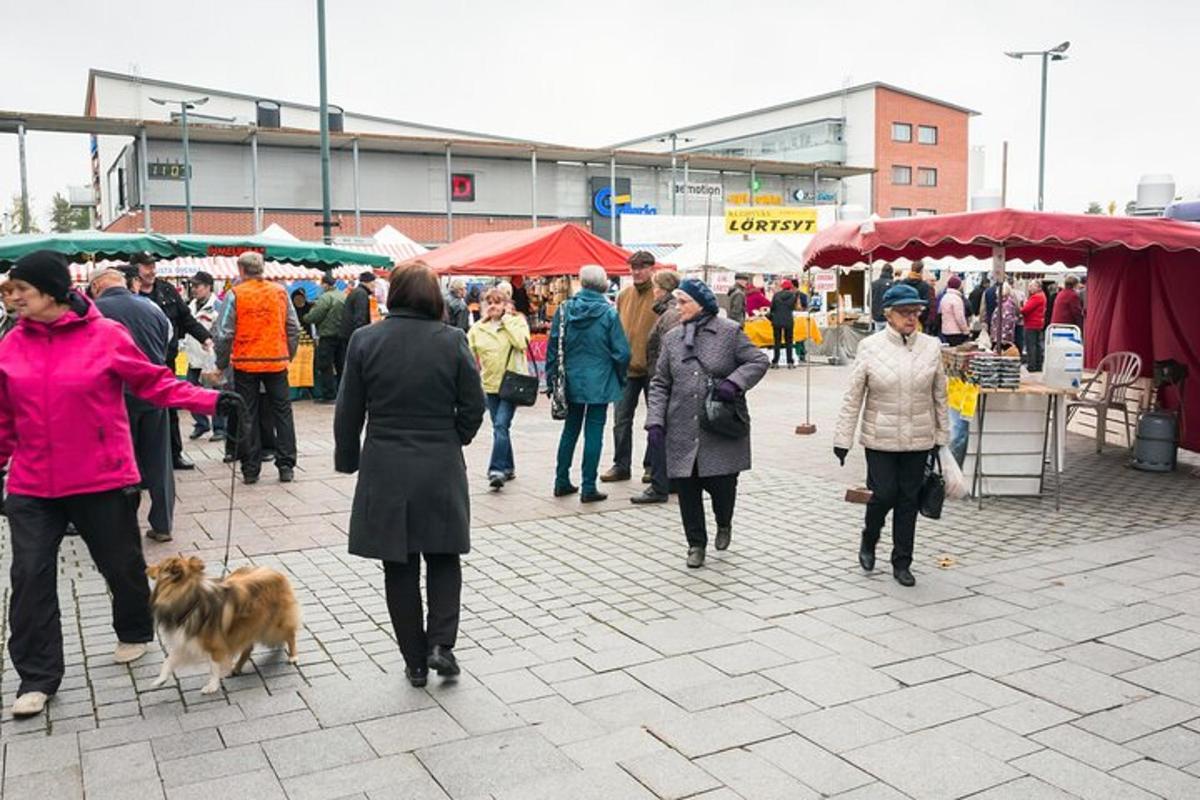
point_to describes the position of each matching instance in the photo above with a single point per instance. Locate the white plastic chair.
(1119, 371)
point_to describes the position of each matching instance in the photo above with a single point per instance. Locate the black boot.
(442, 661)
(904, 577)
(866, 553)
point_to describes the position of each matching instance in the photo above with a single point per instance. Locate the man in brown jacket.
(635, 306)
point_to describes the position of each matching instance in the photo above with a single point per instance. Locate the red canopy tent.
(534, 252)
(1143, 274)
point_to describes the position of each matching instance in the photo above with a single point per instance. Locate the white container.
(1064, 357)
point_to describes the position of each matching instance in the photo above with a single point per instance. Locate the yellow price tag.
(970, 399)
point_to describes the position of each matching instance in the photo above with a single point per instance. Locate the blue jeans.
(501, 413)
(590, 419)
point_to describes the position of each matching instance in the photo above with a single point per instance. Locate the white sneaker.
(30, 704)
(126, 653)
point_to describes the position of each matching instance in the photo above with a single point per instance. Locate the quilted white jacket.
(902, 383)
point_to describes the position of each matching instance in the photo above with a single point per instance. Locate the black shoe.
(649, 496)
(196, 434)
(563, 491)
(866, 554)
(442, 661)
(695, 558)
(287, 474)
(904, 577)
(592, 497)
(184, 463)
(496, 480)
(774, 366)
(229, 458)
(158, 536)
(250, 479)
(614, 475)
(219, 436)
(417, 677)
(791, 366)
(723, 537)
(510, 476)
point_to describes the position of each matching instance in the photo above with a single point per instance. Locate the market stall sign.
(770, 220)
(166, 171)
(743, 199)
(824, 280)
(233, 252)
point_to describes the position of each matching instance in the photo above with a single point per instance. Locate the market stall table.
(760, 332)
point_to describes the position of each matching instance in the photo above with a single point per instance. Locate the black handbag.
(516, 387)
(730, 420)
(558, 387)
(933, 488)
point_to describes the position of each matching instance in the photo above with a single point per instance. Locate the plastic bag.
(957, 486)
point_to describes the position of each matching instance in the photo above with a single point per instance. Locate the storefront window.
(926, 176)
(812, 142)
(901, 176)
(901, 132)
(926, 212)
(901, 212)
(927, 134)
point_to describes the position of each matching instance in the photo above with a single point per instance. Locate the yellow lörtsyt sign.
(770, 220)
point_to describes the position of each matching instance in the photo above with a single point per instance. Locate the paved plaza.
(1041, 654)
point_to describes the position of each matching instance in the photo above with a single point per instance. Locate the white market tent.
(756, 256)
(387, 241)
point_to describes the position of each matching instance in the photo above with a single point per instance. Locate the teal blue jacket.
(596, 350)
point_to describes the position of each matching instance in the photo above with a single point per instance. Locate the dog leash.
(232, 487)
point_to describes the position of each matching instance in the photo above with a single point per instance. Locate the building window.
(901, 132)
(901, 212)
(927, 134)
(926, 212)
(926, 176)
(901, 176)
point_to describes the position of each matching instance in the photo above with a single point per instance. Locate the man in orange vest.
(257, 333)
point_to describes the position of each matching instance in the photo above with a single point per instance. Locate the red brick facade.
(425, 229)
(948, 156)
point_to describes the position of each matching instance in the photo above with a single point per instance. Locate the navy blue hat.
(902, 294)
(698, 290)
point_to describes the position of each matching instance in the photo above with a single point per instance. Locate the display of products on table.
(995, 372)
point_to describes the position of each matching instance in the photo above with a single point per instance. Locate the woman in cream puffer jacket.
(899, 387)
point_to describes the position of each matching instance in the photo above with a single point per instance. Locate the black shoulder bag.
(933, 488)
(516, 387)
(558, 390)
(730, 420)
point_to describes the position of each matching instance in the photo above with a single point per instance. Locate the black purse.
(730, 420)
(558, 388)
(933, 488)
(518, 388)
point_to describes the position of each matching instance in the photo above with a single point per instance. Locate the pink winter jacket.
(62, 413)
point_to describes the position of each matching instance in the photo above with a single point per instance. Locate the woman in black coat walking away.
(704, 346)
(411, 500)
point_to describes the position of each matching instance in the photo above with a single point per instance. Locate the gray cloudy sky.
(594, 73)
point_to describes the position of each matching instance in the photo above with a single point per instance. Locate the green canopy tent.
(309, 254)
(85, 245)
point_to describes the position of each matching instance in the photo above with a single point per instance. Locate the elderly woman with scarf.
(698, 461)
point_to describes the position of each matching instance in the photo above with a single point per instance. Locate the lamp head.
(1062, 48)
(1012, 54)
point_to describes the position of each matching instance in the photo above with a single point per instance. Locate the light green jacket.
(499, 347)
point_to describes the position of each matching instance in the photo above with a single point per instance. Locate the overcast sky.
(1124, 104)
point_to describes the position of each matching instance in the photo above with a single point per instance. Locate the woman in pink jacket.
(64, 427)
(953, 310)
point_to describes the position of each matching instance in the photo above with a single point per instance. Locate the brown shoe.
(614, 475)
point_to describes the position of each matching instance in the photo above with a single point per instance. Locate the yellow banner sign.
(743, 199)
(770, 220)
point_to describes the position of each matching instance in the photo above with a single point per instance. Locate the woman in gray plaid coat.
(697, 460)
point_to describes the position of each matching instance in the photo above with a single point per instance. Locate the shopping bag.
(956, 483)
(517, 387)
(933, 488)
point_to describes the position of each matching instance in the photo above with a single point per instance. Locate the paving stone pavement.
(1052, 655)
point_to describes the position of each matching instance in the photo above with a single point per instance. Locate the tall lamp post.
(674, 140)
(184, 105)
(1053, 54)
(326, 190)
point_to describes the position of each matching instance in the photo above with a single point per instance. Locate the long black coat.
(414, 382)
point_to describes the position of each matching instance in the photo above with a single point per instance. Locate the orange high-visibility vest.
(260, 334)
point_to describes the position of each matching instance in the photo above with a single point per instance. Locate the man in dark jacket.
(878, 287)
(667, 307)
(783, 316)
(358, 306)
(916, 279)
(327, 315)
(737, 300)
(975, 299)
(457, 313)
(151, 331)
(182, 322)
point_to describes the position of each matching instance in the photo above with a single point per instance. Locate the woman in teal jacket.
(595, 360)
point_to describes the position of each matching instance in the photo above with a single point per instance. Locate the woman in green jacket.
(499, 341)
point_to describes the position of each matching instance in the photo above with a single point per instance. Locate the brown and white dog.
(204, 620)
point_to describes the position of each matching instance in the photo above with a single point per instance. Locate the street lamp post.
(184, 105)
(1053, 54)
(673, 138)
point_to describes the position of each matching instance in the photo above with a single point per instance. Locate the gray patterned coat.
(679, 386)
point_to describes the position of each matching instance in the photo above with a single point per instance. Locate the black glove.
(232, 407)
(841, 453)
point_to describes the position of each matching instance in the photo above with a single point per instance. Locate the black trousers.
(152, 448)
(443, 592)
(635, 387)
(107, 522)
(783, 336)
(1035, 348)
(658, 467)
(723, 491)
(895, 482)
(278, 398)
(329, 358)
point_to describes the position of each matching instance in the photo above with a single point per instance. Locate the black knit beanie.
(46, 271)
